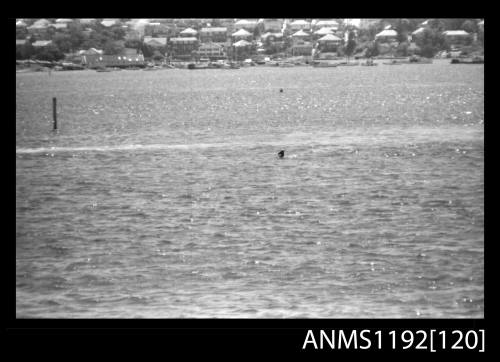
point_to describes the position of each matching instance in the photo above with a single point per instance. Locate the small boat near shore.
(348, 64)
(476, 60)
(324, 65)
(411, 60)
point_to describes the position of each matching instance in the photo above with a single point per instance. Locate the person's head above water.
(281, 154)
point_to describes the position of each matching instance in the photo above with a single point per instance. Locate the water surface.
(161, 195)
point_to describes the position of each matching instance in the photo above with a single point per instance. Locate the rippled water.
(162, 196)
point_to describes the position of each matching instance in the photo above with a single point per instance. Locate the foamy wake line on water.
(118, 148)
(291, 140)
(153, 147)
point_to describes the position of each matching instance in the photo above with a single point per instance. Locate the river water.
(161, 195)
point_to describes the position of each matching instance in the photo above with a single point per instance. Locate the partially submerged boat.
(324, 65)
(475, 60)
(348, 64)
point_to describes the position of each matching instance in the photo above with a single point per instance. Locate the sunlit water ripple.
(161, 195)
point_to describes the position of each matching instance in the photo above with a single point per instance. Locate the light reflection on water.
(161, 195)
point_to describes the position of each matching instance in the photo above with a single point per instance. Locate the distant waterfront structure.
(183, 47)
(273, 37)
(59, 26)
(417, 34)
(300, 25)
(300, 36)
(39, 29)
(322, 32)
(41, 43)
(155, 42)
(248, 25)
(110, 22)
(329, 43)
(188, 33)
(330, 24)
(121, 61)
(87, 21)
(242, 34)
(212, 51)
(387, 36)
(213, 34)
(455, 37)
(273, 25)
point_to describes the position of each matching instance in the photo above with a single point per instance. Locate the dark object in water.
(281, 154)
(281, 90)
(475, 60)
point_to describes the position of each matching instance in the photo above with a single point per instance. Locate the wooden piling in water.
(54, 112)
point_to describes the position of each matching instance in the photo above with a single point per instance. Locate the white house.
(300, 25)
(332, 24)
(387, 35)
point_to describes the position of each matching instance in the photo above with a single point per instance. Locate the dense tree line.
(429, 43)
(72, 39)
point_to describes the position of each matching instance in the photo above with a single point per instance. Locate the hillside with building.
(134, 42)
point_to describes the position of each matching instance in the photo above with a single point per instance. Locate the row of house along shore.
(192, 39)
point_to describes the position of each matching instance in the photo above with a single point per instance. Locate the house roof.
(59, 25)
(87, 21)
(155, 41)
(213, 30)
(183, 39)
(327, 23)
(42, 23)
(21, 41)
(300, 22)
(210, 46)
(481, 23)
(241, 43)
(324, 31)
(138, 23)
(20, 23)
(418, 31)
(455, 33)
(189, 31)
(303, 46)
(64, 20)
(109, 22)
(42, 43)
(241, 32)
(300, 33)
(329, 37)
(387, 32)
(268, 34)
(246, 22)
(90, 51)
(356, 23)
